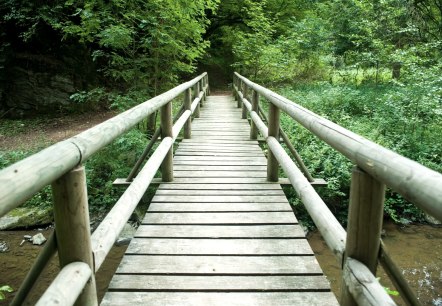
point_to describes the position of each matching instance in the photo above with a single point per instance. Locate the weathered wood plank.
(219, 168)
(181, 246)
(225, 186)
(222, 180)
(220, 192)
(219, 298)
(219, 149)
(219, 141)
(208, 173)
(217, 207)
(221, 158)
(220, 218)
(221, 231)
(219, 265)
(224, 283)
(210, 153)
(220, 199)
(220, 162)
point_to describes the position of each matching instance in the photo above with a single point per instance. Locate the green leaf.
(6, 288)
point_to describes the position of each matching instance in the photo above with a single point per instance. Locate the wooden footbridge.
(219, 230)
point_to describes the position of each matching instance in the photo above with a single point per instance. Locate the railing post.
(196, 92)
(364, 224)
(188, 106)
(203, 98)
(245, 96)
(255, 108)
(233, 87)
(238, 103)
(71, 214)
(166, 131)
(208, 86)
(272, 162)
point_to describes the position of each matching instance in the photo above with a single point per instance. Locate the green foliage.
(402, 118)
(114, 161)
(3, 289)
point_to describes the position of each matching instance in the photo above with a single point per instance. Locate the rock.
(3, 247)
(38, 239)
(25, 217)
(432, 220)
(27, 237)
(126, 235)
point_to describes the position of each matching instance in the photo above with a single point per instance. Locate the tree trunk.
(396, 70)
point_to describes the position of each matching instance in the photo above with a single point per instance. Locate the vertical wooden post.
(188, 106)
(272, 163)
(244, 108)
(208, 85)
(166, 131)
(233, 87)
(365, 216)
(73, 233)
(255, 108)
(203, 98)
(238, 104)
(196, 93)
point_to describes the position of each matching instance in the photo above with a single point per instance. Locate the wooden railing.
(360, 249)
(61, 165)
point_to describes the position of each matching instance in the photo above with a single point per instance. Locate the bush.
(402, 118)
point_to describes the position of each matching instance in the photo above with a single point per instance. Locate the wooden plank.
(211, 153)
(219, 168)
(219, 265)
(217, 207)
(219, 298)
(219, 199)
(221, 231)
(220, 192)
(216, 283)
(208, 173)
(222, 180)
(220, 162)
(180, 246)
(219, 141)
(221, 158)
(221, 218)
(220, 149)
(226, 186)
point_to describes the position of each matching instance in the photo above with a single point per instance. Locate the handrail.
(73, 276)
(25, 178)
(360, 249)
(60, 165)
(415, 182)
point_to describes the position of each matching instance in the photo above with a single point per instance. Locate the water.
(417, 249)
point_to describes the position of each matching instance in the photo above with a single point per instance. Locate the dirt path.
(28, 134)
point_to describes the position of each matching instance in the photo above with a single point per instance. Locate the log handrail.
(61, 166)
(23, 179)
(360, 249)
(417, 183)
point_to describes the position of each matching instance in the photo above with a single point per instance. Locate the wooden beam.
(71, 214)
(67, 286)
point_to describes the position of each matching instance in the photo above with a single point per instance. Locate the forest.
(373, 67)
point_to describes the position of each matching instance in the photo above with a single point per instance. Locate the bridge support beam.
(272, 162)
(71, 214)
(364, 224)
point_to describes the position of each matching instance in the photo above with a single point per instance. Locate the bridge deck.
(219, 234)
